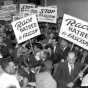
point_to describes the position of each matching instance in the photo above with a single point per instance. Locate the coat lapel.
(74, 72)
(67, 69)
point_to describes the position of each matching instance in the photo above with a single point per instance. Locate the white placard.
(5, 15)
(47, 14)
(10, 8)
(26, 28)
(17, 17)
(32, 11)
(26, 7)
(74, 30)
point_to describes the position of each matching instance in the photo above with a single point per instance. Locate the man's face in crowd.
(63, 44)
(11, 68)
(51, 36)
(71, 58)
(43, 55)
(85, 53)
(54, 42)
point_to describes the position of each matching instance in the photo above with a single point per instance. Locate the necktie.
(72, 68)
(54, 48)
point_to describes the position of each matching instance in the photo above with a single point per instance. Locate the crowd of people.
(41, 62)
(45, 61)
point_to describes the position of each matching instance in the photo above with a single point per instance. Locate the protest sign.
(26, 28)
(8, 2)
(47, 14)
(5, 15)
(17, 17)
(26, 7)
(20, 15)
(75, 31)
(10, 8)
(32, 11)
(7, 11)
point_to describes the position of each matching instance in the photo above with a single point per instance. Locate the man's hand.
(70, 85)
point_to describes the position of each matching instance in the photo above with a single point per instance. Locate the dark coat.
(62, 75)
(59, 54)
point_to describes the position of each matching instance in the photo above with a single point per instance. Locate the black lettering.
(29, 33)
(24, 35)
(20, 24)
(74, 30)
(28, 27)
(41, 11)
(78, 39)
(78, 25)
(86, 36)
(78, 32)
(70, 22)
(82, 34)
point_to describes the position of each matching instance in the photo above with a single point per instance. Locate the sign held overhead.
(75, 31)
(26, 28)
(47, 14)
(26, 7)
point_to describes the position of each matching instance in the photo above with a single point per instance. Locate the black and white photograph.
(43, 43)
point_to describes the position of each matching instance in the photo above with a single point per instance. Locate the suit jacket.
(62, 75)
(59, 54)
